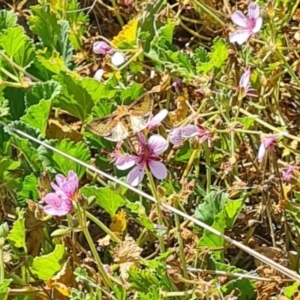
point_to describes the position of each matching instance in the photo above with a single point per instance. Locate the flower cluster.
(65, 189)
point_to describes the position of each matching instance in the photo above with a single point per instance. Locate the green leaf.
(29, 189)
(17, 46)
(246, 121)
(212, 204)
(290, 291)
(4, 285)
(52, 61)
(231, 211)
(37, 116)
(98, 90)
(56, 163)
(149, 22)
(27, 148)
(42, 90)
(46, 266)
(141, 280)
(55, 34)
(74, 97)
(219, 52)
(7, 19)
(16, 102)
(200, 56)
(17, 234)
(106, 198)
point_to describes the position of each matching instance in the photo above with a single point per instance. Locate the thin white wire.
(289, 273)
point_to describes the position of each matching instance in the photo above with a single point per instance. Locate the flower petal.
(117, 59)
(258, 25)
(136, 175)
(99, 74)
(53, 199)
(189, 131)
(125, 162)
(157, 144)
(240, 36)
(239, 19)
(158, 169)
(253, 11)
(261, 152)
(245, 79)
(175, 136)
(156, 120)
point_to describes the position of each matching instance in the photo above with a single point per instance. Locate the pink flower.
(102, 48)
(147, 158)
(288, 173)
(57, 205)
(176, 85)
(157, 119)
(267, 144)
(248, 25)
(244, 85)
(60, 202)
(189, 131)
(175, 136)
(66, 186)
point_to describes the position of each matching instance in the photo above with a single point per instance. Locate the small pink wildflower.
(157, 119)
(176, 85)
(66, 186)
(288, 173)
(102, 48)
(248, 25)
(244, 85)
(60, 202)
(57, 205)
(267, 144)
(177, 135)
(146, 159)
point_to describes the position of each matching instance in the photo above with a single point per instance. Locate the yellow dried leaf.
(180, 113)
(119, 224)
(128, 34)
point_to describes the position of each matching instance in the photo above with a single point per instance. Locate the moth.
(125, 122)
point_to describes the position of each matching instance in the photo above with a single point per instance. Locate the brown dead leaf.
(127, 251)
(180, 113)
(58, 129)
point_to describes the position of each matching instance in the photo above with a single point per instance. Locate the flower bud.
(99, 74)
(102, 48)
(118, 59)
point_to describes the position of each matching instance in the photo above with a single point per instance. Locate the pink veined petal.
(157, 144)
(239, 19)
(136, 175)
(156, 120)
(142, 140)
(50, 210)
(125, 162)
(60, 179)
(245, 79)
(158, 169)
(258, 25)
(189, 131)
(175, 136)
(240, 36)
(261, 152)
(53, 199)
(253, 11)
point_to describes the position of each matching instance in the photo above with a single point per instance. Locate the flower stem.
(180, 242)
(103, 227)
(158, 209)
(82, 221)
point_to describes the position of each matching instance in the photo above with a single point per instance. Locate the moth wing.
(138, 123)
(142, 106)
(108, 127)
